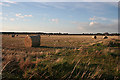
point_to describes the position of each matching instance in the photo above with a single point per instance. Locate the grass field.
(61, 57)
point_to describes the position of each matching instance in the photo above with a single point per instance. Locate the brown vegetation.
(61, 57)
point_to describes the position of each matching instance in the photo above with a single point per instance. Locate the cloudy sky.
(71, 17)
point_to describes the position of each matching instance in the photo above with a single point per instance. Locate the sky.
(60, 0)
(70, 17)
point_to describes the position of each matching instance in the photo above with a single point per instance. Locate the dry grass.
(61, 57)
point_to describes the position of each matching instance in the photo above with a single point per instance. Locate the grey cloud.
(98, 27)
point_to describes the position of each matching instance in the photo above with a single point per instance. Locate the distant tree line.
(42, 33)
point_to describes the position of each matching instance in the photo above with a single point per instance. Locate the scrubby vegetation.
(61, 57)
